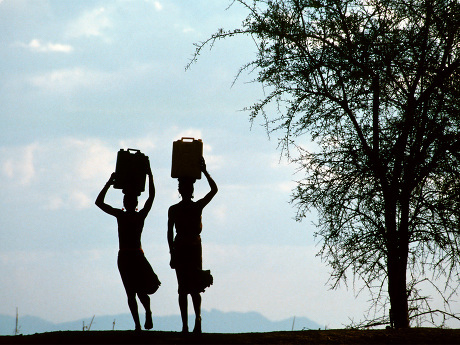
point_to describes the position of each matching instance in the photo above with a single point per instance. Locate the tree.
(376, 84)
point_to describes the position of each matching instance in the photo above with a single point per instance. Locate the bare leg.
(145, 300)
(183, 312)
(132, 303)
(196, 299)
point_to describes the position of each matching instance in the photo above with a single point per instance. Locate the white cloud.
(96, 158)
(85, 163)
(65, 171)
(220, 212)
(17, 164)
(158, 6)
(68, 80)
(286, 186)
(188, 30)
(81, 199)
(38, 46)
(94, 23)
(76, 79)
(144, 144)
(188, 133)
(54, 203)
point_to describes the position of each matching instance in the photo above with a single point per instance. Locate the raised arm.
(101, 197)
(148, 204)
(208, 197)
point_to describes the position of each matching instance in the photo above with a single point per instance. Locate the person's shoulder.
(201, 203)
(174, 207)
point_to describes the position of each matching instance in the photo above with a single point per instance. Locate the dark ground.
(341, 336)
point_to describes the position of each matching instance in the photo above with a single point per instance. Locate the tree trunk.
(397, 253)
(399, 312)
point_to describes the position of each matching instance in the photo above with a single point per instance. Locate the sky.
(80, 80)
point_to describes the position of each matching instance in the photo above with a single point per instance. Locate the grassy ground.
(410, 336)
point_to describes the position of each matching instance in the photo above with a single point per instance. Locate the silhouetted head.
(130, 202)
(186, 187)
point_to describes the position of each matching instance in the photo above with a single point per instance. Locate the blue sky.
(81, 79)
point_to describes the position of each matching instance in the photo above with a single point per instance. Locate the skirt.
(193, 281)
(136, 273)
(187, 258)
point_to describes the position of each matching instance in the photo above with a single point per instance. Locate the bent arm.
(208, 197)
(101, 197)
(148, 204)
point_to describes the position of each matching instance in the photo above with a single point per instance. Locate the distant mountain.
(214, 321)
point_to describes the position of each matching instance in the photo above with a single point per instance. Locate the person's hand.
(111, 180)
(203, 165)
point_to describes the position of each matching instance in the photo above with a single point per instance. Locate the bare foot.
(148, 321)
(197, 329)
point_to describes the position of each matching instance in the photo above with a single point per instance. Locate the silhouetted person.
(136, 273)
(185, 248)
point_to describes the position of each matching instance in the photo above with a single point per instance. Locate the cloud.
(94, 157)
(69, 80)
(93, 23)
(65, 171)
(38, 46)
(187, 133)
(286, 186)
(220, 212)
(17, 164)
(84, 79)
(144, 144)
(158, 6)
(187, 30)
(82, 164)
(81, 199)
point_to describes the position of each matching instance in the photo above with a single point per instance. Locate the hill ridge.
(214, 321)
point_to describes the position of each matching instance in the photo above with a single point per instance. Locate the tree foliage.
(376, 84)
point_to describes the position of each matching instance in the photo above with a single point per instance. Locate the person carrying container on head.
(136, 273)
(185, 247)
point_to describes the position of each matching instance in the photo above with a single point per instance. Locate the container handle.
(136, 150)
(187, 138)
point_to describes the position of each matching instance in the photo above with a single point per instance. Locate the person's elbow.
(98, 203)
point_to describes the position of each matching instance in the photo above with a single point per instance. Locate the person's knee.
(144, 298)
(131, 298)
(182, 298)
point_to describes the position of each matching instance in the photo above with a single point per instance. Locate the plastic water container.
(186, 158)
(131, 171)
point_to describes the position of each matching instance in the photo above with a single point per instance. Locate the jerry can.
(131, 171)
(186, 158)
